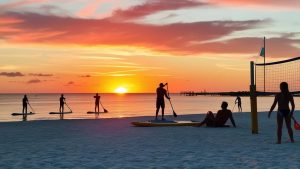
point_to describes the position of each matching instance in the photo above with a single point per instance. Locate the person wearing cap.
(160, 101)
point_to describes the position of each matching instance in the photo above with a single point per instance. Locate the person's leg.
(60, 108)
(23, 110)
(26, 109)
(208, 120)
(288, 123)
(162, 113)
(157, 110)
(279, 128)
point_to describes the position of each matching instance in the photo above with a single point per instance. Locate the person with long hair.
(284, 98)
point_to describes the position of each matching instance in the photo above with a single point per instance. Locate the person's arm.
(293, 105)
(167, 96)
(232, 120)
(273, 106)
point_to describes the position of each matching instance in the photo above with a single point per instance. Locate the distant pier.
(193, 93)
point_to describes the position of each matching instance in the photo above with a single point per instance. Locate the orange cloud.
(172, 38)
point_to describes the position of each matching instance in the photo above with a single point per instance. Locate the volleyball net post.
(253, 100)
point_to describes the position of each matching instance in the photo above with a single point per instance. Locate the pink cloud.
(17, 4)
(90, 9)
(177, 38)
(154, 6)
(259, 3)
(172, 38)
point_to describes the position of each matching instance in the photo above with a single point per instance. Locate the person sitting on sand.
(160, 101)
(97, 102)
(238, 101)
(283, 99)
(220, 119)
(25, 102)
(61, 103)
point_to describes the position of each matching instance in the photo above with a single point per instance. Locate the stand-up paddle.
(68, 107)
(233, 107)
(33, 112)
(105, 111)
(174, 114)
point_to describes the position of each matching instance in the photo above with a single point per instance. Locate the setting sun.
(121, 90)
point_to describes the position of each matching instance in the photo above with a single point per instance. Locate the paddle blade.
(174, 114)
(296, 125)
(105, 111)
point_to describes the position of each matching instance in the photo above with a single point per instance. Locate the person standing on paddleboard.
(61, 103)
(284, 98)
(97, 102)
(25, 103)
(160, 101)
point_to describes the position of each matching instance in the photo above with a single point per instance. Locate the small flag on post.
(262, 52)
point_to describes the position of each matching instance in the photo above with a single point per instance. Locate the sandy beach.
(115, 143)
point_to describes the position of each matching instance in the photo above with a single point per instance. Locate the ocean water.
(126, 105)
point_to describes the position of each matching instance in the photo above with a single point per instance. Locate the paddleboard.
(21, 114)
(68, 112)
(92, 112)
(163, 123)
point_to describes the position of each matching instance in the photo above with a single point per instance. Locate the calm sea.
(127, 105)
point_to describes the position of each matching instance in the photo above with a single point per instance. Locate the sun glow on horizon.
(120, 90)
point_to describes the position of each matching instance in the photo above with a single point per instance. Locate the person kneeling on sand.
(220, 119)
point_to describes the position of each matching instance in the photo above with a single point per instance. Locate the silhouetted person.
(283, 99)
(97, 102)
(220, 119)
(25, 103)
(61, 103)
(160, 101)
(238, 101)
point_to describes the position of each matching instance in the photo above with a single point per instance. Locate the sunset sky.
(101, 45)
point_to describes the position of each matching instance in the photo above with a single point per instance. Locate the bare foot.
(292, 141)
(278, 142)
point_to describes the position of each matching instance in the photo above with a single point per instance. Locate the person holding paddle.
(97, 102)
(61, 103)
(160, 101)
(238, 101)
(284, 98)
(25, 103)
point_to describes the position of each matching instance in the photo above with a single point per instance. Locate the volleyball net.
(268, 76)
